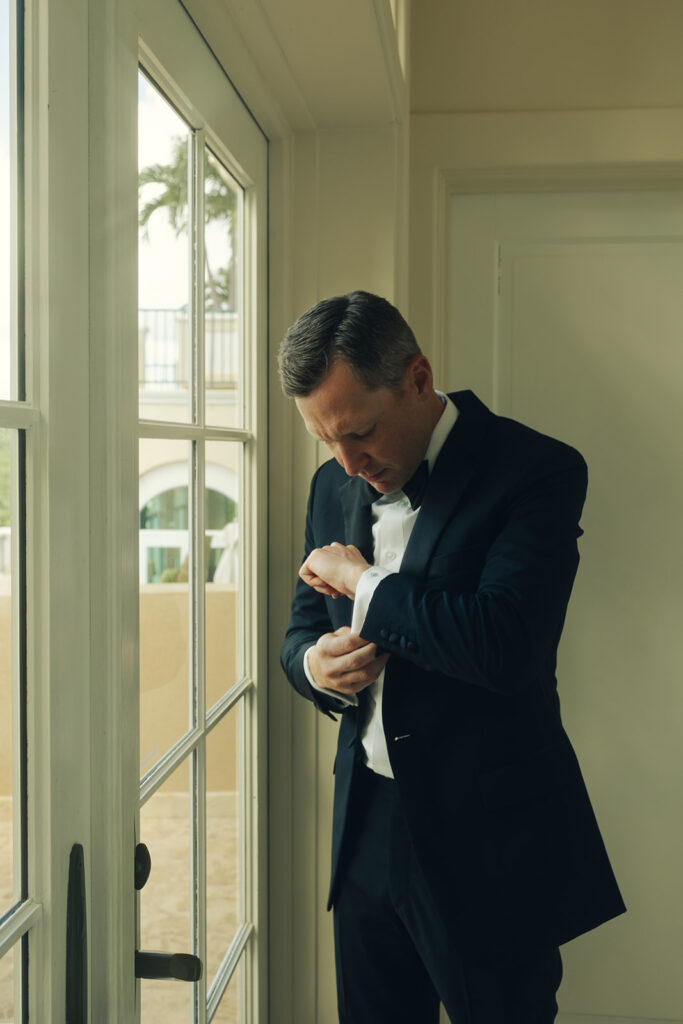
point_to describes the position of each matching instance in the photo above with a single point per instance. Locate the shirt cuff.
(365, 589)
(346, 701)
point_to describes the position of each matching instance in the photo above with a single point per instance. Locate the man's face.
(380, 435)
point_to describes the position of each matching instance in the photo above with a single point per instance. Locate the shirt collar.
(443, 427)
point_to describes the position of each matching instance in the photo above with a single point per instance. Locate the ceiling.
(327, 63)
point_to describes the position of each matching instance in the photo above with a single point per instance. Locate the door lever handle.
(182, 966)
(142, 866)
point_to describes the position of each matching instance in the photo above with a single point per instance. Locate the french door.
(132, 468)
(202, 179)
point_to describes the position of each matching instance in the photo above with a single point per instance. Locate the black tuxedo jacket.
(497, 809)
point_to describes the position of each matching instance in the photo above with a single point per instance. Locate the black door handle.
(76, 941)
(142, 866)
(182, 966)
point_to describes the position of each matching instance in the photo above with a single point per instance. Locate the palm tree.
(219, 204)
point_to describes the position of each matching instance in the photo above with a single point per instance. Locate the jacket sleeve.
(309, 620)
(498, 632)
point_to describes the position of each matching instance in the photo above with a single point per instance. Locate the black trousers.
(396, 961)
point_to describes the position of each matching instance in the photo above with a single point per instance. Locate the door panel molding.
(560, 151)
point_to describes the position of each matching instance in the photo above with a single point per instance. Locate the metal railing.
(164, 355)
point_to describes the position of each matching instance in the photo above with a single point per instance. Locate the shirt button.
(391, 555)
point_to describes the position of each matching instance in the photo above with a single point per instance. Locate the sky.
(163, 259)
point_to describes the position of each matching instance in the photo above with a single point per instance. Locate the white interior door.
(565, 311)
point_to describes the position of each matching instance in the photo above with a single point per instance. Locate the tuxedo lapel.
(357, 517)
(458, 461)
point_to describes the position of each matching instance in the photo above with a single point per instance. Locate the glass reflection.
(9, 967)
(223, 566)
(224, 904)
(6, 160)
(165, 904)
(164, 362)
(164, 597)
(223, 318)
(7, 878)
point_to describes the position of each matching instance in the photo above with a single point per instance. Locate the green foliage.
(218, 290)
(220, 204)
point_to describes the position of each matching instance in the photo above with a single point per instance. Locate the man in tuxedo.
(440, 553)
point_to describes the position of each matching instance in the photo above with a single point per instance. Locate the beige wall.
(342, 229)
(475, 56)
(536, 96)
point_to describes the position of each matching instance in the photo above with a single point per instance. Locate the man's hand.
(345, 662)
(334, 569)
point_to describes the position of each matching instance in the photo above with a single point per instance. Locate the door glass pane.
(230, 1010)
(165, 901)
(164, 597)
(223, 318)
(163, 258)
(224, 862)
(7, 634)
(222, 518)
(5, 198)
(10, 987)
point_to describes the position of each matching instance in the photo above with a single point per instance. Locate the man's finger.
(350, 643)
(354, 682)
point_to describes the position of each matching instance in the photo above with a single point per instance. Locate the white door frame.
(82, 377)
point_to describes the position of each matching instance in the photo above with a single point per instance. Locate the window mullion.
(199, 875)
(197, 220)
(199, 717)
(199, 560)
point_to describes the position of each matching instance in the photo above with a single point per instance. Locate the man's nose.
(352, 459)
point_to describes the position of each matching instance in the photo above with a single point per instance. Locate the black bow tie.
(414, 489)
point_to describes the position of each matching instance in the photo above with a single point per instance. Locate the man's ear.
(419, 376)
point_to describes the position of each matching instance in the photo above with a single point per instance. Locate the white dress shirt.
(392, 523)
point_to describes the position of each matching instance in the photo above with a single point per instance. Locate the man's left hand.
(334, 569)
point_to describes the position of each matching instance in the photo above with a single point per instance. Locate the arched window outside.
(167, 515)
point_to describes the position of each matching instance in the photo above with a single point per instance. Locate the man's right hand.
(344, 662)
